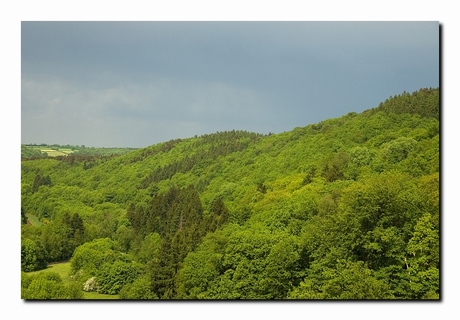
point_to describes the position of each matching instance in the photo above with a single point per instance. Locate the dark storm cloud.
(139, 83)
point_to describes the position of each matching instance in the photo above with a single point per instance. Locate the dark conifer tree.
(23, 216)
(163, 270)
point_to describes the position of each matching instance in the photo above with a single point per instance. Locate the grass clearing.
(63, 269)
(99, 296)
(33, 219)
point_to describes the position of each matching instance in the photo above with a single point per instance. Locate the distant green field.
(50, 151)
(63, 269)
(31, 151)
(66, 150)
(54, 150)
(53, 153)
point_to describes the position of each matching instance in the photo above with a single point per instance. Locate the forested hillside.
(347, 208)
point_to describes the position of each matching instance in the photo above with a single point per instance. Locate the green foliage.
(216, 218)
(346, 280)
(382, 212)
(334, 168)
(112, 276)
(241, 263)
(47, 285)
(310, 173)
(138, 290)
(61, 236)
(31, 152)
(90, 256)
(398, 149)
(423, 259)
(149, 248)
(424, 102)
(33, 256)
(23, 216)
(347, 208)
(41, 181)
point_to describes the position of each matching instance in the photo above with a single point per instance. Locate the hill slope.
(347, 208)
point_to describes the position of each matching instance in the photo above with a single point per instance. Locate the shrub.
(45, 285)
(113, 276)
(33, 256)
(139, 289)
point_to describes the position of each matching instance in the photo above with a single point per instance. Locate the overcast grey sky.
(134, 84)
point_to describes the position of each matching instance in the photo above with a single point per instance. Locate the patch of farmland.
(66, 151)
(53, 153)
